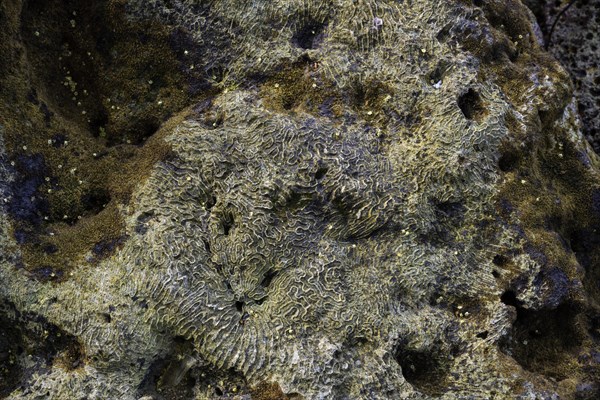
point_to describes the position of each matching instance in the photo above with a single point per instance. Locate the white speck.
(24, 147)
(277, 85)
(438, 84)
(186, 52)
(377, 22)
(369, 112)
(523, 181)
(160, 103)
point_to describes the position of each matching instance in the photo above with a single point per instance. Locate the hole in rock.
(95, 200)
(321, 172)
(509, 298)
(509, 161)
(500, 260)
(268, 278)
(471, 105)
(542, 341)
(425, 370)
(309, 36)
(239, 305)
(482, 335)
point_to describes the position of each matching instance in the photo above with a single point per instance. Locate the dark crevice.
(310, 35)
(206, 245)
(424, 370)
(509, 298)
(227, 223)
(500, 260)
(29, 344)
(542, 340)
(321, 172)
(471, 105)
(268, 278)
(509, 160)
(239, 305)
(95, 200)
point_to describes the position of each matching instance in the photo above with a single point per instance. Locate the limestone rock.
(296, 199)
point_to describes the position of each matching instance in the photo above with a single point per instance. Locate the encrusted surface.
(575, 42)
(366, 200)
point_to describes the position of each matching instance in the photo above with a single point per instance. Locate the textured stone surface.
(352, 200)
(575, 43)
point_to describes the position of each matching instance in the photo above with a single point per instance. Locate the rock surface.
(575, 41)
(297, 199)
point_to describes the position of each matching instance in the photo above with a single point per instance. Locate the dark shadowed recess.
(29, 339)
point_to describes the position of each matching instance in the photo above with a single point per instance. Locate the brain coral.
(369, 200)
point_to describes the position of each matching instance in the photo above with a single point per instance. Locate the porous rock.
(360, 200)
(571, 35)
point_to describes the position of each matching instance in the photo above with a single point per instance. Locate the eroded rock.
(374, 200)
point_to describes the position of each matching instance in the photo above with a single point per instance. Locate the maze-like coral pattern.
(342, 213)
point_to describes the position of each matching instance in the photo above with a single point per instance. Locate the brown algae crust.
(94, 88)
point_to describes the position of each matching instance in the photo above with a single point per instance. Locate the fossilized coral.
(377, 237)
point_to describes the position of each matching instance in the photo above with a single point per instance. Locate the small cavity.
(471, 105)
(509, 160)
(422, 369)
(309, 36)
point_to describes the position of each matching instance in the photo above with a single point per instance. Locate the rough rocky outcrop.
(575, 42)
(296, 199)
